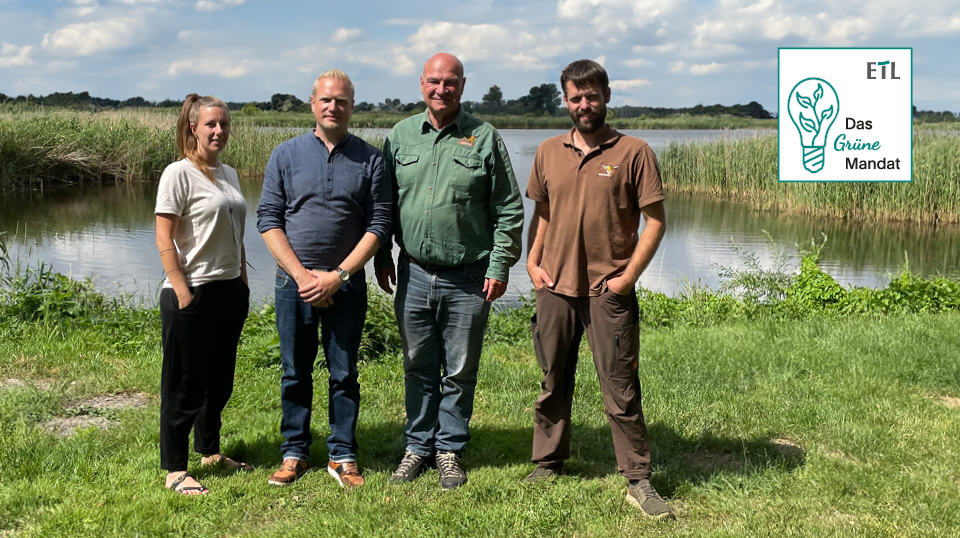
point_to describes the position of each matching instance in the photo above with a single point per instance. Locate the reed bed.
(40, 146)
(746, 170)
(76, 147)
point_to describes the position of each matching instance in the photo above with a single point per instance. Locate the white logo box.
(845, 114)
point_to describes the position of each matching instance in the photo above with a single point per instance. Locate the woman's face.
(212, 130)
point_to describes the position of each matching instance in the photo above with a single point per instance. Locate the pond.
(107, 232)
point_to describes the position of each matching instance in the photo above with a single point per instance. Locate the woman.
(203, 304)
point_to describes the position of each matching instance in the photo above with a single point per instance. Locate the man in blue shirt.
(324, 211)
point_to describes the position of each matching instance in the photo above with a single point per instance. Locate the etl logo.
(868, 138)
(872, 70)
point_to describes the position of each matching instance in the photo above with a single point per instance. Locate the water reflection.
(107, 232)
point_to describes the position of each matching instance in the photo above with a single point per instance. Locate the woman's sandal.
(178, 486)
(224, 463)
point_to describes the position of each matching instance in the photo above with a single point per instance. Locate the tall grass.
(386, 120)
(76, 146)
(39, 147)
(746, 170)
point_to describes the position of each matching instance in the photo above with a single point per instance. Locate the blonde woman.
(203, 304)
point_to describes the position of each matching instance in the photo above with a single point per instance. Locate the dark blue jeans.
(341, 325)
(442, 317)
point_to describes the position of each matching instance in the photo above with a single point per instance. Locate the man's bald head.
(442, 61)
(442, 85)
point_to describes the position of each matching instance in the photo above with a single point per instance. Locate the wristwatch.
(343, 274)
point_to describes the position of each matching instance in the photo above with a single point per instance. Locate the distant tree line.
(929, 116)
(542, 100)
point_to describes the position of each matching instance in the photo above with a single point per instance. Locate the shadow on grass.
(677, 460)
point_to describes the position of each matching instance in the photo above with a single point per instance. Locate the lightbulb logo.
(813, 106)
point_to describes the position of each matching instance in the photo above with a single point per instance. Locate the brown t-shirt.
(595, 202)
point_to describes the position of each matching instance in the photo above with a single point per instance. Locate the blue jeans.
(442, 317)
(341, 325)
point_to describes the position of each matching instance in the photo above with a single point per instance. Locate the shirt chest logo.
(606, 170)
(468, 141)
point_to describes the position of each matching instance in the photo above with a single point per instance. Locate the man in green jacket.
(458, 223)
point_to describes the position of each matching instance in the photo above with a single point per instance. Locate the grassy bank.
(746, 170)
(789, 411)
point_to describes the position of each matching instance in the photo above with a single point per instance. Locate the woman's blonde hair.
(187, 143)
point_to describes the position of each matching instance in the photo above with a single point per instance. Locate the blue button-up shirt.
(325, 201)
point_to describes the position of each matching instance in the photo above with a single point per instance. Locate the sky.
(660, 53)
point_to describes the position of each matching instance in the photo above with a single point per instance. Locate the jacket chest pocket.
(467, 173)
(405, 169)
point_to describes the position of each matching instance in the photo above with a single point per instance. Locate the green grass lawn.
(822, 427)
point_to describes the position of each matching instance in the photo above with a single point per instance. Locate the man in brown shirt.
(591, 187)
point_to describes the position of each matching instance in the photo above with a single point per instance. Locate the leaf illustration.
(808, 124)
(819, 93)
(826, 114)
(804, 101)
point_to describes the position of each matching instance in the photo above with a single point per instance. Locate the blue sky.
(668, 53)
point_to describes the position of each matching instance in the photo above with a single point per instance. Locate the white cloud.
(602, 60)
(638, 62)
(658, 49)
(60, 66)
(616, 16)
(511, 45)
(527, 62)
(86, 38)
(626, 85)
(759, 7)
(14, 56)
(465, 41)
(706, 69)
(220, 67)
(681, 67)
(397, 61)
(344, 35)
(216, 5)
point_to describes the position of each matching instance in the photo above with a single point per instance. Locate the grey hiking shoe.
(411, 466)
(542, 474)
(643, 496)
(451, 475)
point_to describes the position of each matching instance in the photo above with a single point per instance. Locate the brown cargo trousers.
(611, 322)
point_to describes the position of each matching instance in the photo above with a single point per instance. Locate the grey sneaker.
(451, 475)
(643, 496)
(542, 474)
(411, 466)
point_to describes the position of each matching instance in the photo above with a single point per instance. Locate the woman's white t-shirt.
(212, 217)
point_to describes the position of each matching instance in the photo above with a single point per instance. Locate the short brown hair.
(583, 72)
(334, 74)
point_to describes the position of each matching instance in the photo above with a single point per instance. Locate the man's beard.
(592, 125)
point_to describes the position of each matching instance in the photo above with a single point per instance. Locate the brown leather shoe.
(346, 473)
(289, 472)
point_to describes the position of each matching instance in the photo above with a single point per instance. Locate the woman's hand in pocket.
(185, 299)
